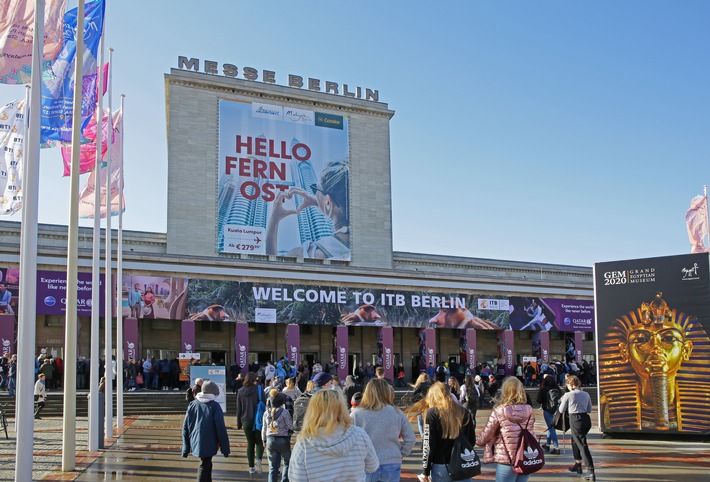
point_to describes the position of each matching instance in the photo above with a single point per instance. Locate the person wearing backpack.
(320, 381)
(445, 421)
(276, 436)
(249, 397)
(579, 405)
(549, 398)
(501, 436)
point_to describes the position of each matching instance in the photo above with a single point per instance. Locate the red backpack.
(529, 457)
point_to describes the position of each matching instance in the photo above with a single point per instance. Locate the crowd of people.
(307, 424)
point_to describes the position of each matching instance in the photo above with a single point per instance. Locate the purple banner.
(579, 346)
(241, 346)
(430, 344)
(506, 351)
(7, 334)
(52, 293)
(544, 314)
(544, 355)
(188, 337)
(130, 338)
(293, 344)
(385, 336)
(341, 348)
(470, 349)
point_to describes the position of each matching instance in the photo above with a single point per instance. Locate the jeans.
(506, 473)
(440, 474)
(11, 387)
(385, 473)
(551, 432)
(204, 471)
(277, 448)
(580, 423)
(253, 441)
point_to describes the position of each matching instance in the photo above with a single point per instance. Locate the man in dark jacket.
(192, 392)
(204, 431)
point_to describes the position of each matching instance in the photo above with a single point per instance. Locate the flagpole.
(93, 438)
(108, 331)
(119, 290)
(70, 335)
(27, 318)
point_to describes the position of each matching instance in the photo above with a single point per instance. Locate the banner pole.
(108, 332)
(119, 288)
(27, 307)
(94, 375)
(70, 326)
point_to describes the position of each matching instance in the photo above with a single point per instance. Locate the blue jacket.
(203, 431)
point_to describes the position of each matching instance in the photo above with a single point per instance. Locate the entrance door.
(219, 358)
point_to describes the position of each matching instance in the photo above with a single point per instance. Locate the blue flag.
(58, 76)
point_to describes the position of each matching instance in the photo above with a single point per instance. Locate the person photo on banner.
(148, 302)
(330, 196)
(5, 300)
(135, 301)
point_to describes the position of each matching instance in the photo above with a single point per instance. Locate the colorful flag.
(87, 152)
(58, 78)
(12, 134)
(17, 32)
(86, 197)
(696, 219)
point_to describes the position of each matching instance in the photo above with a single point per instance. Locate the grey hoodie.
(343, 456)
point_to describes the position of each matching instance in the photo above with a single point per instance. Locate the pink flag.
(696, 219)
(87, 152)
(86, 197)
(17, 33)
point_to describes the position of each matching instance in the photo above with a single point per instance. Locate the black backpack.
(299, 410)
(552, 400)
(464, 462)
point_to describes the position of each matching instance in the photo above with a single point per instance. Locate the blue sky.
(551, 131)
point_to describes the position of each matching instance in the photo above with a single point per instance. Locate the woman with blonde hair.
(501, 434)
(329, 447)
(384, 423)
(455, 388)
(445, 419)
(421, 387)
(291, 389)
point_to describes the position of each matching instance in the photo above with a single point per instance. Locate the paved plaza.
(148, 448)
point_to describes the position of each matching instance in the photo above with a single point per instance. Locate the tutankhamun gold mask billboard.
(653, 346)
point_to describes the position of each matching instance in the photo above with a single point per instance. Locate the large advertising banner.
(284, 181)
(213, 374)
(328, 305)
(9, 290)
(654, 351)
(544, 314)
(153, 297)
(7, 334)
(52, 293)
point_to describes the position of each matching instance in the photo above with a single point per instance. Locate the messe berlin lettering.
(262, 293)
(269, 77)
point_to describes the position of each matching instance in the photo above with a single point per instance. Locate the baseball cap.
(321, 379)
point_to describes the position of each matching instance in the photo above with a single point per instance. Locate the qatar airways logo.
(242, 356)
(294, 353)
(545, 356)
(343, 358)
(510, 359)
(471, 357)
(430, 355)
(388, 358)
(188, 348)
(6, 346)
(131, 349)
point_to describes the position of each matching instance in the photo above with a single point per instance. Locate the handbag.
(139, 379)
(560, 420)
(464, 462)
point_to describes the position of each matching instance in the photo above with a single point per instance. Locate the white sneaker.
(257, 465)
(252, 470)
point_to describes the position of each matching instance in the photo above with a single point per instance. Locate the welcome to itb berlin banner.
(654, 352)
